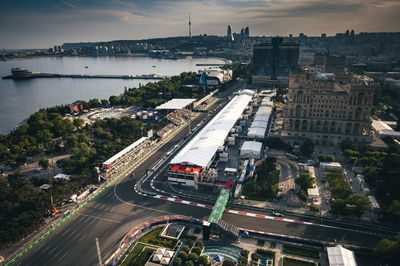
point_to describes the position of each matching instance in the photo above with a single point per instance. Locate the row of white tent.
(202, 148)
(260, 123)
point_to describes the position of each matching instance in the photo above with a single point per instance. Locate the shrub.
(193, 257)
(255, 256)
(228, 262)
(185, 248)
(199, 243)
(203, 260)
(178, 262)
(196, 250)
(182, 254)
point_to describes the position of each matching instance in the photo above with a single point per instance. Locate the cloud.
(92, 20)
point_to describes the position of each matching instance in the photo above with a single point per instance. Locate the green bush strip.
(295, 262)
(306, 252)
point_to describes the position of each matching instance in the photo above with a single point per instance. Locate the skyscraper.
(229, 33)
(246, 32)
(190, 27)
(272, 62)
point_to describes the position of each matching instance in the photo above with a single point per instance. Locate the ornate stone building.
(327, 111)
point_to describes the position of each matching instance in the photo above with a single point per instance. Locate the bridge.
(215, 220)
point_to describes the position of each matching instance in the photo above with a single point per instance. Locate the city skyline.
(26, 24)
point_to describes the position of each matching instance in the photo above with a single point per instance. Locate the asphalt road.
(118, 209)
(109, 217)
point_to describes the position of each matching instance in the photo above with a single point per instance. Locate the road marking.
(55, 255)
(45, 249)
(78, 234)
(65, 231)
(101, 218)
(65, 254)
(52, 250)
(83, 237)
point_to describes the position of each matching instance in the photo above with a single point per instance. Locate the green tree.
(104, 102)
(178, 262)
(44, 163)
(78, 122)
(193, 257)
(361, 203)
(182, 254)
(228, 262)
(185, 248)
(389, 248)
(93, 103)
(394, 210)
(305, 181)
(189, 263)
(196, 250)
(307, 147)
(203, 260)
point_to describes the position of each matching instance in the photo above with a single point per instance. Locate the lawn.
(306, 252)
(294, 262)
(153, 237)
(133, 254)
(140, 253)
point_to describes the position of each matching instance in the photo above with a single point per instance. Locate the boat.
(154, 66)
(86, 67)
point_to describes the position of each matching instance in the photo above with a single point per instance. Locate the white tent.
(160, 251)
(340, 256)
(157, 258)
(175, 104)
(165, 261)
(202, 148)
(251, 149)
(168, 254)
(62, 177)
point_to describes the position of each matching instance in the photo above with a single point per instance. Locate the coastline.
(113, 55)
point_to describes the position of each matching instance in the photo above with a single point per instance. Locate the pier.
(22, 73)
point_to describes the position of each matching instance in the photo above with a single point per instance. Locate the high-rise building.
(331, 64)
(190, 27)
(229, 33)
(246, 33)
(326, 111)
(272, 62)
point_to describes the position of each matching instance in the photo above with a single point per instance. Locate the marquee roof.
(340, 256)
(201, 149)
(175, 104)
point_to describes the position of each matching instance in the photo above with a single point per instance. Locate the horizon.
(152, 38)
(29, 24)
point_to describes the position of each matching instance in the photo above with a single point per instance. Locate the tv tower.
(190, 27)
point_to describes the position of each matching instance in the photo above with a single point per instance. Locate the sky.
(45, 23)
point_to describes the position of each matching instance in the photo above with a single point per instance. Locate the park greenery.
(49, 132)
(343, 201)
(389, 249)
(302, 251)
(265, 184)
(381, 170)
(277, 143)
(304, 181)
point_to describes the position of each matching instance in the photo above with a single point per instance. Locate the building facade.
(327, 111)
(273, 62)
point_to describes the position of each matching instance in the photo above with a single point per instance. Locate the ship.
(20, 73)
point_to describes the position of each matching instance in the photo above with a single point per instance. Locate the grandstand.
(127, 155)
(174, 111)
(200, 151)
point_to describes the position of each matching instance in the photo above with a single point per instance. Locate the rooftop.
(175, 104)
(201, 149)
